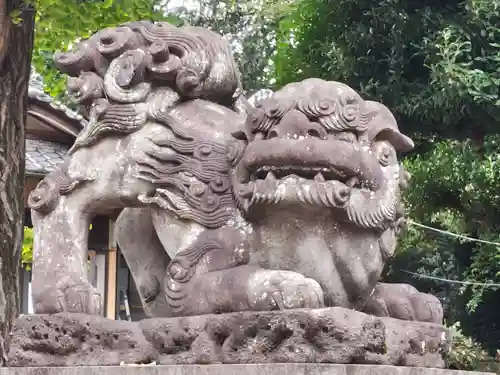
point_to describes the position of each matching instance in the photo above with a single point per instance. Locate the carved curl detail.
(84, 89)
(334, 105)
(109, 118)
(192, 175)
(124, 80)
(198, 172)
(226, 248)
(194, 62)
(127, 75)
(45, 196)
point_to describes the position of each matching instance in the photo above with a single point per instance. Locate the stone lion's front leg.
(69, 297)
(213, 276)
(248, 288)
(272, 289)
(60, 282)
(402, 301)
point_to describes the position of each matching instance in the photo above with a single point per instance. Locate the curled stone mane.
(334, 105)
(193, 179)
(122, 74)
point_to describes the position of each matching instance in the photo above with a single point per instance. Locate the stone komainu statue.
(224, 206)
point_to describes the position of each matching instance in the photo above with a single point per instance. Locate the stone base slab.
(331, 335)
(256, 369)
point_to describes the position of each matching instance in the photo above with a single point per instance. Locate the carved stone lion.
(223, 206)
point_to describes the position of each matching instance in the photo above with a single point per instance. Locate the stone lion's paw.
(427, 308)
(404, 302)
(149, 287)
(271, 290)
(77, 298)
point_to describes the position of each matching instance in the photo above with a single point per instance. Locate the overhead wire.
(448, 233)
(455, 235)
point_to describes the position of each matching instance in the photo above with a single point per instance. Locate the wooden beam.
(112, 273)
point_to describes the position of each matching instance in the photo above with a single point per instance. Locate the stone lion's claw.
(404, 302)
(97, 303)
(77, 298)
(271, 290)
(62, 304)
(278, 299)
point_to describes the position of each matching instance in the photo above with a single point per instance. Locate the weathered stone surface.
(332, 335)
(294, 202)
(263, 369)
(69, 340)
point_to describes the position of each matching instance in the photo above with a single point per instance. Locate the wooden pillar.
(112, 265)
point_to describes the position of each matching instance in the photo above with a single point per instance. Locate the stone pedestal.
(256, 369)
(331, 335)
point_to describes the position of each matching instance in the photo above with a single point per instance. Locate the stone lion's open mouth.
(306, 171)
(316, 174)
(293, 188)
(313, 159)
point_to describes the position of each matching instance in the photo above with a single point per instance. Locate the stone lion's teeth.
(246, 191)
(266, 168)
(271, 177)
(353, 181)
(319, 177)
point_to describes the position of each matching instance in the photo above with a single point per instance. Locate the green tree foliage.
(27, 250)
(468, 355)
(433, 61)
(460, 192)
(435, 64)
(459, 186)
(251, 27)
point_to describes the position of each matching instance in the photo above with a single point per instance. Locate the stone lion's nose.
(295, 124)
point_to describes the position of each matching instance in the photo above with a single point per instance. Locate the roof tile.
(43, 156)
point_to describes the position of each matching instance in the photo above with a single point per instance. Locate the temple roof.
(41, 96)
(43, 156)
(51, 129)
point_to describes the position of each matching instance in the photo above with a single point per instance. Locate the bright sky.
(189, 4)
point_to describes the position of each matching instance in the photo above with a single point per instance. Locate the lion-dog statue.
(221, 205)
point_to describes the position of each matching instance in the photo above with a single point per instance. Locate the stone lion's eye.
(384, 152)
(385, 156)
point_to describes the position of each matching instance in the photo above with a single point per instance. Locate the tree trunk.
(16, 43)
